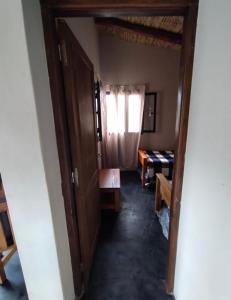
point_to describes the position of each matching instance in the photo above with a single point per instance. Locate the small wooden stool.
(109, 183)
(8, 247)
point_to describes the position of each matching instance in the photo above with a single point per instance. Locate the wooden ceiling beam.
(164, 35)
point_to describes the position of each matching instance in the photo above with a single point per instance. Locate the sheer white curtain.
(122, 113)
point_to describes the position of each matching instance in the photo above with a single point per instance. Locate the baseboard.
(165, 288)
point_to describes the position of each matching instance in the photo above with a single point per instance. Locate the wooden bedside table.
(109, 183)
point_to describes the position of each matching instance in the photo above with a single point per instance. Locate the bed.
(153, 162)
(163, 193)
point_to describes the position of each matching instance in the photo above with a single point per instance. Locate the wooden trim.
(154, 113)
(161, 34)
(131, 5)
(11, 226)
(2, 273)
(8, 250)
(63, 144)
(111, 8)
(11, 250)
(184, 91)
(142, 159)
(116, 12)
(4, 260)
(112, 3)
(3, 207)
(3, 241)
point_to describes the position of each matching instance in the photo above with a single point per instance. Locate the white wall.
(28, 154)
(86, 33)
(129, 63)
(204, 248)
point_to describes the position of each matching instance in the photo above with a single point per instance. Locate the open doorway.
(136, 83)
(68, 143)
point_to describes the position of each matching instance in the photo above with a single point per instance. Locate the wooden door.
(78, 78)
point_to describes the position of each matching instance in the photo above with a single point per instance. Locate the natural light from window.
(115, 117)
(118, 121)
(111, 109)
(134, 107)
(121, 113)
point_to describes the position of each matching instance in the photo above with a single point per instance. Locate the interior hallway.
(130, 259)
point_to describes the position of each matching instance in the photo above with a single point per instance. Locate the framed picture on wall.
(149, 114)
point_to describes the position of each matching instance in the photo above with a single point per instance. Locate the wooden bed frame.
(163, 191)
(143, 160)
(9, 250)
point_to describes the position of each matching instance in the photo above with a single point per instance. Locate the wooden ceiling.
(165, 32)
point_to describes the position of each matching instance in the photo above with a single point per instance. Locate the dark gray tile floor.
(14, 288)
(130, 259)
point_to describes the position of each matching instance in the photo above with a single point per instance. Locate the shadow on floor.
(14, 288)
(131, 255)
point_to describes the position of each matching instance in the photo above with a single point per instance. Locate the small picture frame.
(149, 114)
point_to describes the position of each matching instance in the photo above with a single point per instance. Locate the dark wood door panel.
(78, 75)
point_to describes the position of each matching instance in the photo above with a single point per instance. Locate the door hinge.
(63, 53)
(75, 177)
(60, 53)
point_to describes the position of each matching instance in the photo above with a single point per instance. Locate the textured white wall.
(28, 154)
(204, 248)
(129, 63)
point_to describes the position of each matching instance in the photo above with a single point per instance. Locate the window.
(123, 112)
(115, 113)
(149, 114)
(98, 111)
(134, 107)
